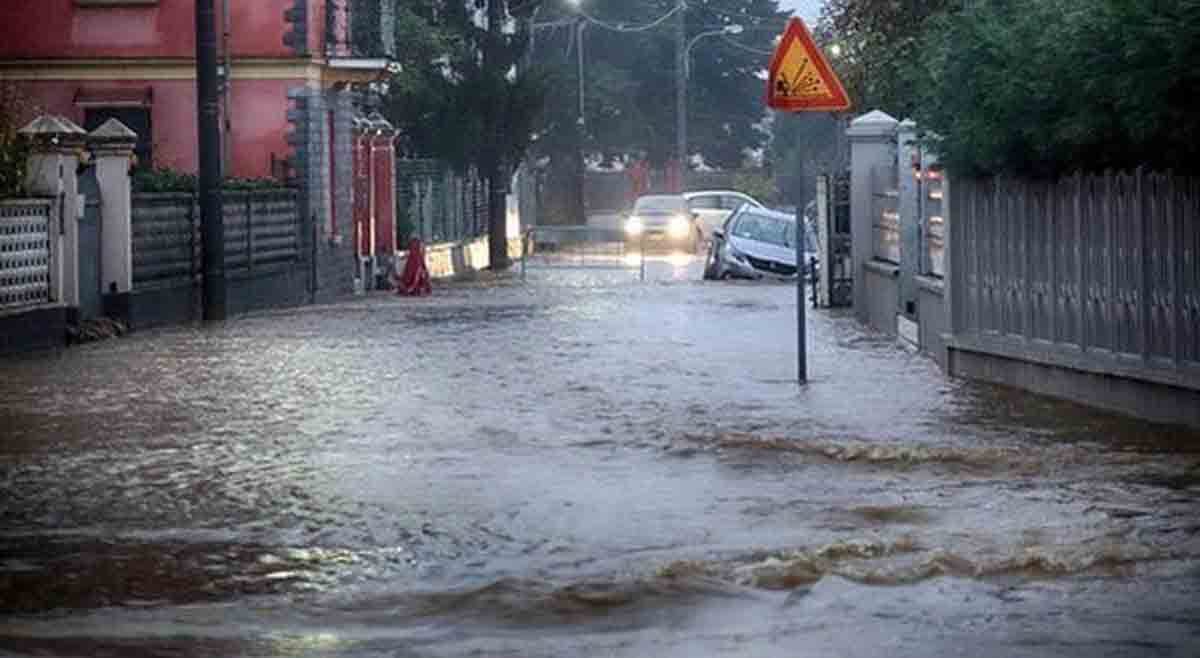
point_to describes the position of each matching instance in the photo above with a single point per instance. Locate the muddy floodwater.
(577, 465)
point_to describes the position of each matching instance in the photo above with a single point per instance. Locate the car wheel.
(711, 264)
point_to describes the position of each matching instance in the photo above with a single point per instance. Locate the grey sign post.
(801, 311)
(799, 79)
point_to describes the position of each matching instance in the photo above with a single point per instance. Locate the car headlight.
(679, 227)
(734, 254)
(634, 226)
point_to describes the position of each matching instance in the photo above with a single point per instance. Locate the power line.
(621, 27)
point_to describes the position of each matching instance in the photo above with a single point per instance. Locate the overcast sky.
(809, 10)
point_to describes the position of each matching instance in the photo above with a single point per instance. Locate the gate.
(835, 287)
(580, 248)
(90, 249)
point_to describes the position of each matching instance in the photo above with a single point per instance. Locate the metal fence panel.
(262, 228)
(24, 253)
(1104, 265)
(885, 212)
(581, 248)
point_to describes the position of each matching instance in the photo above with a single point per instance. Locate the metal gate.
(835, 287)
(90, 248)
(581, 248)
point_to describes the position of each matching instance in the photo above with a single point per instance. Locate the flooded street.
(576, 465)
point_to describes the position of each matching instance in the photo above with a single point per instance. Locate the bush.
(163, 180)
(14, 149)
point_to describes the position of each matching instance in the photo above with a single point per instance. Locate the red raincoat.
(414, 280)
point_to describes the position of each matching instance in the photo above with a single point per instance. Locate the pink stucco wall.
(59, 29)
(259, 118)
(41, 29)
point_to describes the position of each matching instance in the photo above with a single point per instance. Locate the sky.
(809, 10)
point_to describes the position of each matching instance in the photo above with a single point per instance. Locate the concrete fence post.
(57, 145)
(112, 146)
(872, 144)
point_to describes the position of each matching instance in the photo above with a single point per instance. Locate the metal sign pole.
(801, 310)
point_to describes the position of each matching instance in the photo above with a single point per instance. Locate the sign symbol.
(800, 79)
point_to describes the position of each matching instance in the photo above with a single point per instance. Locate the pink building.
(295, 75)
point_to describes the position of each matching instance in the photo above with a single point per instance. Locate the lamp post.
(685, 74)
(681, 93)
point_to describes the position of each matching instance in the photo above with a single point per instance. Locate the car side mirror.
(719, 233)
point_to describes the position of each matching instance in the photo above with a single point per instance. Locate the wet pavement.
(575, 465)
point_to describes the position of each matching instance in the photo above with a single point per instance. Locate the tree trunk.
(497, 219)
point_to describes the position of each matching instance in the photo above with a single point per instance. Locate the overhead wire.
(621, 27)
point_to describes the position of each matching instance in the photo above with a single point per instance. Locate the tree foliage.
(1045, 87)
(630, 78)
(462, 94)
(445, 95)
(878, 42)
(14, 149)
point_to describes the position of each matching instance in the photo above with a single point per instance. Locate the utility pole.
(212, 223)
(581, 129)
(681, 93)
(493, 161)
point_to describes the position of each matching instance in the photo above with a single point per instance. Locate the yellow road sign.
(800, 79)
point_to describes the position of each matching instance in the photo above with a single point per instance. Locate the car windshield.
(660, 204)
(762, 228)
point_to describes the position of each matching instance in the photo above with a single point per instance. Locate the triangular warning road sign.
(800, 78)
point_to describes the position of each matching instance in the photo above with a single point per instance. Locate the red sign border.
(838, 101)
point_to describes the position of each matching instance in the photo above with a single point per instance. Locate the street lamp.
(685, 73)
(728, 29)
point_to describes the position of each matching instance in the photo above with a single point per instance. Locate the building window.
(136, 119)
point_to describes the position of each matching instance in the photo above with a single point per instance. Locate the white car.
(663, 220)
(712, 207)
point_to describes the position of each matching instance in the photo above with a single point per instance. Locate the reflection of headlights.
(633, 226)
(679, 227)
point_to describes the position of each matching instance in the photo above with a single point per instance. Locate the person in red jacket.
(414, 280)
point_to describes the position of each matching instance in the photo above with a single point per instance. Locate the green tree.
(462, 95)
(630, 79)
(879, 42)
(1046, 87)
(14, 149)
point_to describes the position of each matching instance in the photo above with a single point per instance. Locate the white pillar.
(57, 144)
(112, 146)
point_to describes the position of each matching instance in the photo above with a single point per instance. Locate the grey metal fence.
(261, 229)
(1103, 269)
(885, 212)
(581, 248)
(437, 204)
(24, 253)
(933, 219)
